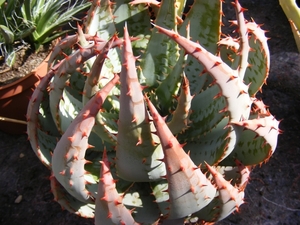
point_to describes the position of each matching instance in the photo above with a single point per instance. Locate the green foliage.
(292, 12)
(12, 28)
(49, 16)
(34, 21)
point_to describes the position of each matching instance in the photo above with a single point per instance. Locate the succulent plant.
(34, 22)
(149, 117)
(292, 12)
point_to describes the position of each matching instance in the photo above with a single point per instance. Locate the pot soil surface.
(26, 61)
(273, 194)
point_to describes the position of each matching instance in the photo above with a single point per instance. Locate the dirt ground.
(273, 195)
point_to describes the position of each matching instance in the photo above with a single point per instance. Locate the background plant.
(35, 22)
(12, 28)
(292, 11)
(208, 102)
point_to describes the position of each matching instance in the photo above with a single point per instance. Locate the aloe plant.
(292, 13)
(146, 117)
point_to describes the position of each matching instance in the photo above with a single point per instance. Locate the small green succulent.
(34, 21)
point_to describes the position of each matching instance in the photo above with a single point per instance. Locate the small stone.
(18, 199)
(194, 219)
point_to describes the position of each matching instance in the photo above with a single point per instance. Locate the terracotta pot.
(14, 98)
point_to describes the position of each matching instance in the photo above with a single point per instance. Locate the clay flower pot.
(14, 98)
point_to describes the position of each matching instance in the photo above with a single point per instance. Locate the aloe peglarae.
(182, 124)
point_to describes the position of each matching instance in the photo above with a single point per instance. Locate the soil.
(273, 194)
(26, 60)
